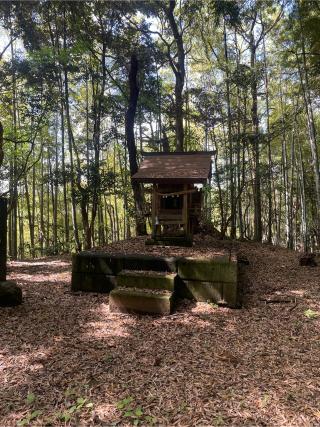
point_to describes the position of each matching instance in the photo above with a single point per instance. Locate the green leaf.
(72, 409)
(124, 402)
(136, 422)
(81, 400)
(23, 422)
(89, 405)
(311, 314)
(120, 405)
(66, 416)
(128, 414)
(149, 419)
(35, 414)
(70, 392)
(30, 398)
(138, 412)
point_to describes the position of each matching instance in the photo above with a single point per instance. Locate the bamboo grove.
(86, 87)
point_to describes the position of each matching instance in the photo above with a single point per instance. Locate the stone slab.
(149, 262)
(91, 282)
(97, 262)
(101, 263)
(231, 295)
(200, 290)
(134, 301)
(146, 280)
(219, 269)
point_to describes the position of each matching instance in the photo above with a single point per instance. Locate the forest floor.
(65, 359)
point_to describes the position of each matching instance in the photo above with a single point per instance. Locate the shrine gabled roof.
(177, 167)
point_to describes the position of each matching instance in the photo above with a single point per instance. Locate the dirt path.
(66, 356)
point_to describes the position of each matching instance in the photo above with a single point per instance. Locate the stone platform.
(151, 284)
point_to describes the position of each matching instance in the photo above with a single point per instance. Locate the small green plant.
(30, 401)
(134, 414)
(30, 417)
(311, 314)
(265, 400)
(218, 421)
(79, 404)
(31, 397)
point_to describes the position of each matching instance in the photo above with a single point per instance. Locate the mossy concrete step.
(146, 279)
(92, 282)
(129, 300)
(219, 269)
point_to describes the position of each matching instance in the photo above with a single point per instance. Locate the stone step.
(142, 279)
(133, 300)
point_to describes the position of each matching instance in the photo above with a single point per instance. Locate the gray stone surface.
(146, 279)
(134, 301)
(219, 269)
(200, 290)
(91, 282)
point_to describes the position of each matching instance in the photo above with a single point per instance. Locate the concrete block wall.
(214, 280)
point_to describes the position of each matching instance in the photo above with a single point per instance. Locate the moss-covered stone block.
(220, 269)
(138, 301)
(231, 295)
(149, 262)
(146, 279)
(97, 262)
(200, 290)
(91, 282)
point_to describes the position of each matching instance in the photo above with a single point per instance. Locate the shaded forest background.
(86, 87)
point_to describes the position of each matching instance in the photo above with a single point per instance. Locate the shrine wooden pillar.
(3, 238)
(153, 209)
(185, 213)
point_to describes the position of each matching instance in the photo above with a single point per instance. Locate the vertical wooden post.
(153, 210)
(3, 238)
(185, 215)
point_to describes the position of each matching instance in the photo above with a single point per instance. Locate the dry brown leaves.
(202, 365)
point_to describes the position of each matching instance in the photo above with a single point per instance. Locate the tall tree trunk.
(131, 145)
(13, 166)
(71, 145)
(304, 80)
(229, 118)
(3, 238)
(179, 72)
(269, 176)
(1, 145)
(256, 147)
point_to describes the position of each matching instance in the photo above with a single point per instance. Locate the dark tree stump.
(308, 260)
(10, 294)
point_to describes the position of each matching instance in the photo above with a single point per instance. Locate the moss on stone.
(91, 282)
(146, 280)
(219, 269)
(138, 301)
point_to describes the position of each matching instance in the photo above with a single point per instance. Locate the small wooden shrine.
(177, 197)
